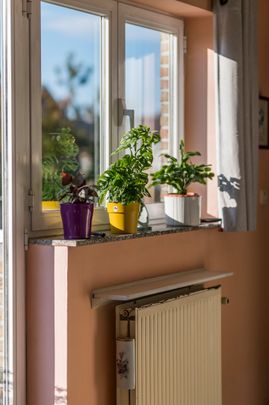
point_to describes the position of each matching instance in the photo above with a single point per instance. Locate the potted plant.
(77, 205)
(60, 153)
(124, 183)
(182, 207)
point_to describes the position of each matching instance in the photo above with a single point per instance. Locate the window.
(71, 87)
(89, 57)
(148, 56)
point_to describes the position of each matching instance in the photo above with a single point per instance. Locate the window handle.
(124, 112)
(130, 114)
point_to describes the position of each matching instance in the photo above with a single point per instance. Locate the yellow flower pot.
(123, 218)
(50, 205)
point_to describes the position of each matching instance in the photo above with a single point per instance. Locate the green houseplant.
(182, 207)
(60, 153)
(77, 206)
(124, 183)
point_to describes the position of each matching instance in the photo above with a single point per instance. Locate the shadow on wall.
(60, 396)
(229, 200)
(105, 355)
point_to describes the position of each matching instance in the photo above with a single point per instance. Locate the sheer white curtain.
(237, 111)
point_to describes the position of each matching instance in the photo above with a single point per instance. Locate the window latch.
(122, 111)
(27, 8)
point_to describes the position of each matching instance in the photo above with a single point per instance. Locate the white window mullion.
(104, 106)
(178, 83)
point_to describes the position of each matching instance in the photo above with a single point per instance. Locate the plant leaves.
(126, 180)
(180, 174)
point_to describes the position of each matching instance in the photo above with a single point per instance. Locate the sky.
(65, 31)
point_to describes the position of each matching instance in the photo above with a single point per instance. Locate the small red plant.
(77, 191)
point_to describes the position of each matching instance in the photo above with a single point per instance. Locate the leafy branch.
(126, 180)
(61, 155)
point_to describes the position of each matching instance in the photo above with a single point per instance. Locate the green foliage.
(60, 155)
(72, 76)
(69, 111)
(126, 180)
(76, 189)
(180, 174)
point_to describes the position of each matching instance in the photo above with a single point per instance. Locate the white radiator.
(169, 351)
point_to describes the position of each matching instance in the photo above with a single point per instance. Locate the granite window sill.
(157, 230)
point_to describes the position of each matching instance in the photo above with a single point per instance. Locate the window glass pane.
(147, 76)
(70, 66)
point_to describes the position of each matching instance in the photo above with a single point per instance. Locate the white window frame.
(117, 14)
(15, 162)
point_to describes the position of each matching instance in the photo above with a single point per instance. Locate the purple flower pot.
(77, 220)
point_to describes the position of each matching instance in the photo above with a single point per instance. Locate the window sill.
(157, 230)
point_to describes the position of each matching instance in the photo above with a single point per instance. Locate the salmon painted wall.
(90, 334)
(205, 4)
(198, 126)
(40, 326)
(178, 8)
(91, 374)
(245, 329)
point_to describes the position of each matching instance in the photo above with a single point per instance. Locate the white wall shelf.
(155, 285)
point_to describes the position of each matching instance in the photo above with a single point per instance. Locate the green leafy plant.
(126, 180)
(59, 155)
(181, 173)
(76, 189)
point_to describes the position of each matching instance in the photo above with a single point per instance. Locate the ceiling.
(186, 8)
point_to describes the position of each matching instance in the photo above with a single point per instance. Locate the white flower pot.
(182, 209)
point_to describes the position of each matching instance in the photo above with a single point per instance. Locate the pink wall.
(90, 334)
(40, 322)
(184, 8)
(199, 32)
(245, 329)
